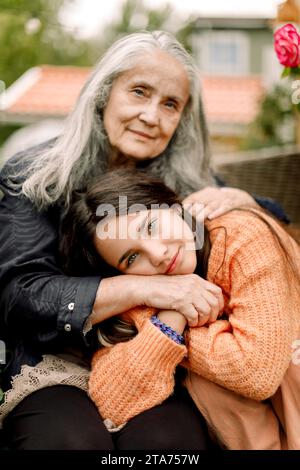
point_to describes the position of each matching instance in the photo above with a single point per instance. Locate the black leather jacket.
(41, 309)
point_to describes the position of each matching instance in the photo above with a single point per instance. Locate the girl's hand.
(198, 300)
(212, 202)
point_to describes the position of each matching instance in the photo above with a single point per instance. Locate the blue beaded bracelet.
(167, 330)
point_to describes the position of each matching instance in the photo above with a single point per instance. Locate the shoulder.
(241, 235)
(241, 226)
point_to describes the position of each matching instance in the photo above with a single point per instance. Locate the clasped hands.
(210, 305)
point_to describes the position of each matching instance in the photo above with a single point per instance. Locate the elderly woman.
(140, 108)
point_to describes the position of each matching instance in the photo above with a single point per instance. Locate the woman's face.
(149, 242)
(145, 106)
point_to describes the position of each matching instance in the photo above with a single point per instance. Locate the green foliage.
(30, 34)
(184, 34)
(275, 115)
(135, 16)
(286, 71)
(293, 72)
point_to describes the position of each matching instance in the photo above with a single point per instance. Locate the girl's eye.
(131, 259)
(151, 226)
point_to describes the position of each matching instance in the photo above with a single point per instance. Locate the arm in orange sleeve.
(134, 376)
(250, 352)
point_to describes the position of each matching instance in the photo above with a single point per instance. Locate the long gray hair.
(83, 149)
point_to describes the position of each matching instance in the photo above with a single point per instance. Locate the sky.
(89, 16)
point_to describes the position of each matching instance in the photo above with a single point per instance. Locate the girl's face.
(145, 106)
(156, 241)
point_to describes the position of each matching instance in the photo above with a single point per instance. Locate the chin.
(187, 268)
(190, 266)
(135, 155)
(138, 152)
(143, 156)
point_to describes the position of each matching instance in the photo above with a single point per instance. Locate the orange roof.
(52, 91)
(232, 100)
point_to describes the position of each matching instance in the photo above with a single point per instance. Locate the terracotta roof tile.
(232, 99)
(54, 93)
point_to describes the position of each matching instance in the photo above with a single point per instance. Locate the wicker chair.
(273, 173)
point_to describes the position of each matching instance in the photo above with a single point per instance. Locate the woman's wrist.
(115, 295)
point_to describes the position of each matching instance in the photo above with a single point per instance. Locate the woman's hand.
(198, 300)
(212, 202)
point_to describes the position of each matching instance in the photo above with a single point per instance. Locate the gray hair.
(83, 149)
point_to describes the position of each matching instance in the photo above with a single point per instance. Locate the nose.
(157, 252)
(150, 114)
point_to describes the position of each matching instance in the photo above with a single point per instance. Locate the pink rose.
(287, 45)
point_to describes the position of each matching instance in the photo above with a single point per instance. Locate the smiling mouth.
(141, 134)
(173, 263)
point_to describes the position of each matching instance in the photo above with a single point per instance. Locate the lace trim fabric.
(50, 371)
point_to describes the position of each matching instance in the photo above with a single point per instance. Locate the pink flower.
(287, 45)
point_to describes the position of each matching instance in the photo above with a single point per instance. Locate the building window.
(223, 53)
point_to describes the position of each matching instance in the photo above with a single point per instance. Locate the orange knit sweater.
(247, 353)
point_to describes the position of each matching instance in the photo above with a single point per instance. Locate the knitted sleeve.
(132, 377)
(250, 351)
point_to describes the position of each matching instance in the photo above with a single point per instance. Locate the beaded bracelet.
(167, 330)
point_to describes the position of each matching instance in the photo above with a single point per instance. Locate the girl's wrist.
(167, 330)
(173, 319)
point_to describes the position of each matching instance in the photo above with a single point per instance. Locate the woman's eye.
(131, 259)
(171, 105)
(139, 91)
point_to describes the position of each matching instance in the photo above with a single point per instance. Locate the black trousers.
(64, 418)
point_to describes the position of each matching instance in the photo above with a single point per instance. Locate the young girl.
(241, 359)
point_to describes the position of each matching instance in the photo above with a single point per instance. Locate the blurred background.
(47, 48)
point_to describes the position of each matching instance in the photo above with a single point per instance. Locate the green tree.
(31, 34)
(135, 15)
